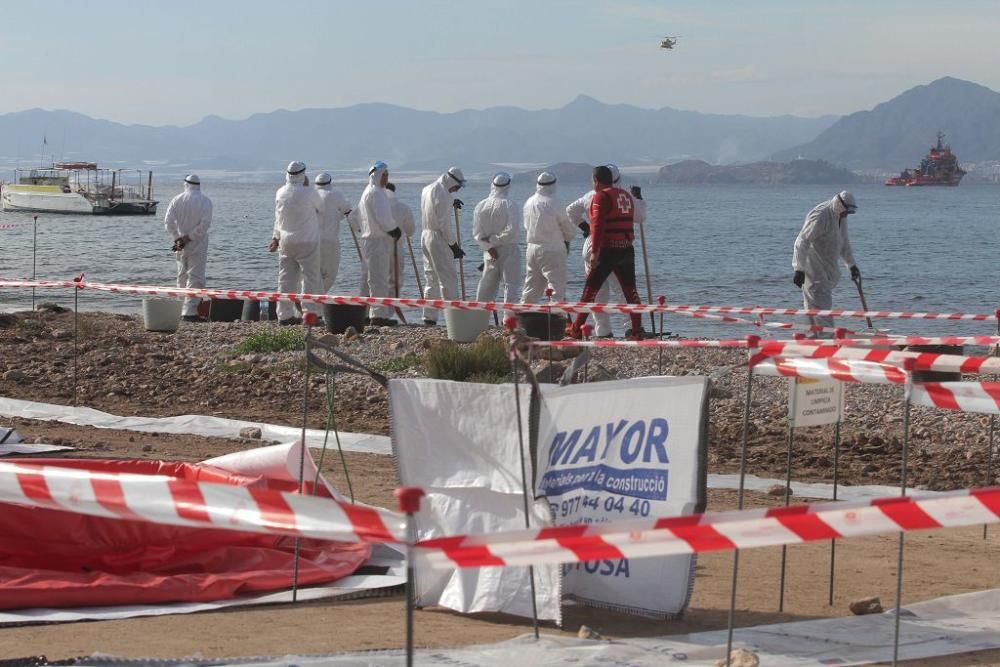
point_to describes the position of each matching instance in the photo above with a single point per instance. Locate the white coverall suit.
(495, 224)
(819, 248)
(375, 215)
(403, 216)
(335, 208)
(190, 214)
(298, 209)
(438, 234)
(548, 230)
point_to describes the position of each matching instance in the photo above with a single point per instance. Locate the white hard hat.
(456, 175)
(502, 179)
(192, 179)
(323, 178)
(296, 167)
(615, 174)
(545, 178)
(847, 199)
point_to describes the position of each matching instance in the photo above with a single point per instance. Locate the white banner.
(459, 442)
(813, 402)
(621, 450)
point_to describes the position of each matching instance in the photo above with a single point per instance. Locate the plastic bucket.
(225, 310)
(161, 314)
(251, 310)
(538, 325)
(464, 326)
(339, 316)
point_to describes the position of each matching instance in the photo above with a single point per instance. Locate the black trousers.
(621, 263)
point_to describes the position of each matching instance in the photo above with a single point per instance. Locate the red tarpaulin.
(50, 558)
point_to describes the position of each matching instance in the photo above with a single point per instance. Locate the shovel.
(864, 304)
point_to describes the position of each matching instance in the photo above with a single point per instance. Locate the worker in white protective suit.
(298, 209)
(819, 248)
(549, 232)
(335, 208)
(496, 227)
(403, 216)
(378, 233)
(188, 218)
(438, 241)
(579, 214)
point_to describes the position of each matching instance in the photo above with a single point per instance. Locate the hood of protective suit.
(844, 202)
(500, 185)
(324, 186)
(375, 176)
(296, 179)
(192, 187)
(546, 184)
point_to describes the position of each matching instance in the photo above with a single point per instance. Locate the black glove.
(456, 251)
(636, 191)
(481, 267)
(799, 278)
(567, 245)
(396, 234)
(458, 204)
(855, 273)
(585, 228)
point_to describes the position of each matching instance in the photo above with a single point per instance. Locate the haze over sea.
(920, 249)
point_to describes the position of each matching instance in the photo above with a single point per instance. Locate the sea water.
(920, 249)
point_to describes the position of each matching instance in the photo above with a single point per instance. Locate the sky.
(173, 63)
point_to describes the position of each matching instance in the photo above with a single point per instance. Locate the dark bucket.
(937, 376)
(340, 316)
(251, 310)
(225, 310)
(538, 325)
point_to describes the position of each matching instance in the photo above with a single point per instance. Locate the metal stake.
(836, 480)
(409, 503)
(902, 492)
(524, 486)
(308, 318)
(989, 461)
(752, 343)
(788, 496)
(76, 312)
(34, 254)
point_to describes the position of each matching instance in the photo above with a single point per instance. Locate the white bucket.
(161, 314)
(464, 326)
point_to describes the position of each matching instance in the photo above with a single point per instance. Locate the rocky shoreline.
(204, 369)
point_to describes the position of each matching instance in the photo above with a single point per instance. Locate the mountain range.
(889, 137)
(584, 130)
(896, 134)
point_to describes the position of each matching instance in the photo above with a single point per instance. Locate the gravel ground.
(125, 370)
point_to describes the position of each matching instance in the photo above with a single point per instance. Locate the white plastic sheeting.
(212, 427)
(459, 442)
(956, 624)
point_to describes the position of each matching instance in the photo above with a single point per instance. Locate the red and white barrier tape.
(742, 343)
(177, 502)
(844, 370)
(713, 531)
(928, 361)
(982, 397)
(569, 307)
(170, 501)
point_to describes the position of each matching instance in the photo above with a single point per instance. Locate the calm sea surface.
(920, 249)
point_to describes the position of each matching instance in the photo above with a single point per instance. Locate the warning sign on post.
(814, 402)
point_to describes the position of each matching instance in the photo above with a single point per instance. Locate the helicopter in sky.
(668, 43)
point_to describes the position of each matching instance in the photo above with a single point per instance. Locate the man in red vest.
(612, 233)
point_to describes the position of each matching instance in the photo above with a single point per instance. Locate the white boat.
(80, 187)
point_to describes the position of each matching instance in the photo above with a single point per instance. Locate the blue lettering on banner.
(640, 483)
(638, 439)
